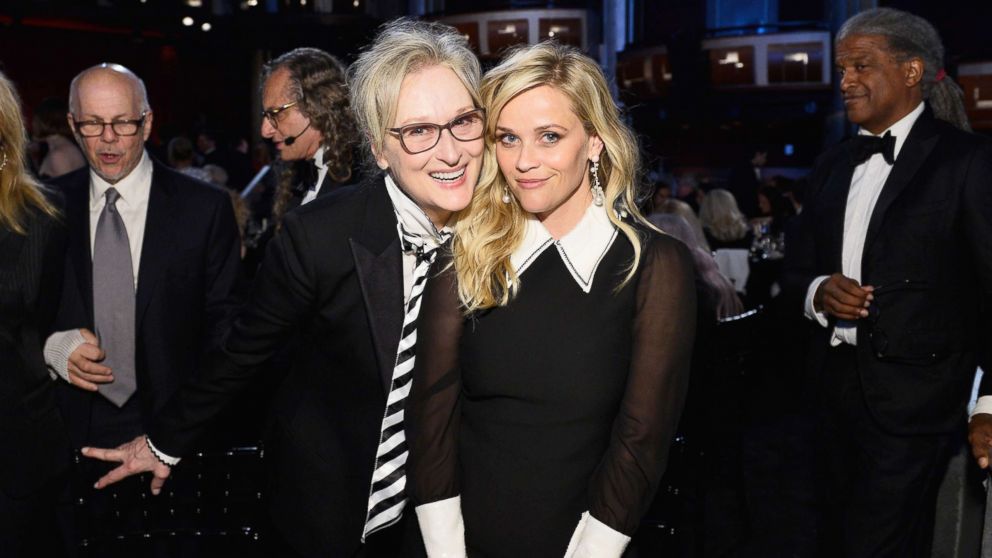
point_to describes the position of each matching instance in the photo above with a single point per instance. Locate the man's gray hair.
(910, 36)
(139, 85)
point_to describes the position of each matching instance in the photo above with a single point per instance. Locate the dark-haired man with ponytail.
(894, 263)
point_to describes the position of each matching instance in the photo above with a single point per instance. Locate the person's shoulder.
(346, 203)
(659, 245)
(959, 140)
(75, 179)
(189, 187)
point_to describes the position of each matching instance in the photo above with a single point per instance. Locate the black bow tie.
(415, 244)
(862, 148)
(306, 174)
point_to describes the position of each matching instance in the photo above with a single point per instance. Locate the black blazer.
(334, 276)
(929, 256)
(189, 265)
(35, 447)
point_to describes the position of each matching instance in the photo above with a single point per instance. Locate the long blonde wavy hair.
(19, 192)
(489, 230)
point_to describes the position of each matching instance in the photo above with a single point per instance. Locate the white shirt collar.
(414, 219)
(580, 250)
(900, 129)
(133, 188)
(318, 159)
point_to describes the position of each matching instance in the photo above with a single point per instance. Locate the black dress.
(559, 403)
(35, 447)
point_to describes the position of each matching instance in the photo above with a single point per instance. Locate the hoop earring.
(506, 194)
(597, 189)
(4, 162)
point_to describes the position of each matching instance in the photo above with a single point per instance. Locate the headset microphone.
(290, 140)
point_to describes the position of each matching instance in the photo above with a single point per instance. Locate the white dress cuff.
(442, 527)
(164, 458)
(808, 309)
(983, 405)
(58, 347)
(594, 539)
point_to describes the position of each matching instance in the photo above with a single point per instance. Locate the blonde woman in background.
(554, 353)
(724, 224)
(36, 452)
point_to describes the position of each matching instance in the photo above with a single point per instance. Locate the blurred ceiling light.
(798, 57)
(355, 3)
(509, 29)
(732, 57)
(194, 3)
(206, 26)
(188, 21)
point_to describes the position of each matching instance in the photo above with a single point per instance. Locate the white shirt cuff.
(594, 539)
(442, 527)
(808, 309)
(58, 347)
(167, 459)
(983, 405)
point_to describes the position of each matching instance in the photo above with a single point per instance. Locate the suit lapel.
(160, 231)
(77, 209)
(379, 266)
(915, 150)
(835, 203)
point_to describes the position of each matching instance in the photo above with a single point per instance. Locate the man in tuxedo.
(151, 260)
(306, 116)
(893, 260)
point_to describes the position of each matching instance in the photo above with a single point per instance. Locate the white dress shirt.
(581, 250)
(134, 190)
(318, 161)
(866, 184)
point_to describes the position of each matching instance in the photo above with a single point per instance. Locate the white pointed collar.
(580, 250)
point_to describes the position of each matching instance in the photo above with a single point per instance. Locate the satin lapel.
(379, 266)
(161, 228)
(920, 142)
(835, 206)
(77, 214)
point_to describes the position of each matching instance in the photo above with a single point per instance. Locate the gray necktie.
(113, 300)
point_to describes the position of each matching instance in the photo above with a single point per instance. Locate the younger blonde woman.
(554, 352)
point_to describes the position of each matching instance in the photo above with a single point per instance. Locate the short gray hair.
(138, 84)
(401, 47)
(910, 36)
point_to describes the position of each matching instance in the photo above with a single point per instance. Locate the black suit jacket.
(928, 254)
(334, 276)
(189, 265)
(34, 444)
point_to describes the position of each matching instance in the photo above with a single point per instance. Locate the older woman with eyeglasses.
(347, 272)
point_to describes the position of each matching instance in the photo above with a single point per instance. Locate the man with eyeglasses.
(305, 115)
(152, 258)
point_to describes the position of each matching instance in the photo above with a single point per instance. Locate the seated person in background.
(724, 224)
(180, 153)
(50, 128)
(715, 288)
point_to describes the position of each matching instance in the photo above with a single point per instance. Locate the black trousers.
(878, 490)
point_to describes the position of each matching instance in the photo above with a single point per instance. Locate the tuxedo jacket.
(928, 253)
(332, 276)
(35, 447)
(190, 260)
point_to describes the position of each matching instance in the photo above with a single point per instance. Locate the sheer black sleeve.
(433, 409)
(663, 333)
